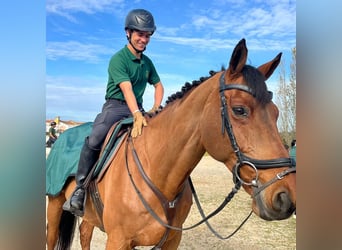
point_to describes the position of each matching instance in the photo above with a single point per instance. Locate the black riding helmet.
(140, 19)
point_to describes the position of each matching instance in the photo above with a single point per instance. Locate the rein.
(227, 199)
(165, 203)
(242, 159)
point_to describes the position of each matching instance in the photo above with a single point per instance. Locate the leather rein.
(168, 206)
(242, 159)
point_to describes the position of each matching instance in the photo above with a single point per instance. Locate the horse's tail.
(66, 230)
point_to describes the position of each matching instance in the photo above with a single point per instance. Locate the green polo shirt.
(124, 66)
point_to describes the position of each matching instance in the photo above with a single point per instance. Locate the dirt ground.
(213, 182)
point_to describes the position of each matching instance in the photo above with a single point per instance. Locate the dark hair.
(293, 142)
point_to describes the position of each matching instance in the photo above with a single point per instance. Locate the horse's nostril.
(283, 202)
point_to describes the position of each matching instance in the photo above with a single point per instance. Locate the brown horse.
(145, 191)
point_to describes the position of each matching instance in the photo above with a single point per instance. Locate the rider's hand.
(138, 123)
(154, 110)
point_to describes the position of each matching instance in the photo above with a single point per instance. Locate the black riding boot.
(87, 160)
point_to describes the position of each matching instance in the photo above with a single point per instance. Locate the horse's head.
(253, 149)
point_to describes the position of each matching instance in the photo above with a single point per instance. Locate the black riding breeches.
(112, 111)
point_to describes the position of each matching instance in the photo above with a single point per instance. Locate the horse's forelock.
(256, 81)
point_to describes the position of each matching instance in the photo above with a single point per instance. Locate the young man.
(129, 72)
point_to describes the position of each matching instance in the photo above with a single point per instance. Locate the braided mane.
(253, 77)
(189, 86)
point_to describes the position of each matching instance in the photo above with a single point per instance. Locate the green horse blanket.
(64, 156)
(62, 161)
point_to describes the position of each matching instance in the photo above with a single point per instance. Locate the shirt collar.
(132, 56)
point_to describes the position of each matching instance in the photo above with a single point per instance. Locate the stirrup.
(67, 205)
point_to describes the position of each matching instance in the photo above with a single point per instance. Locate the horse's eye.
(240, 111)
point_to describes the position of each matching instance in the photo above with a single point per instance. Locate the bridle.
(242, 159)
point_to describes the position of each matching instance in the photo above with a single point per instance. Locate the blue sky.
(192, 37)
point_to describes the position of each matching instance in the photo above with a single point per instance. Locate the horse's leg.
(86, 233)
(173, 243)
(54, 212)
(116, 241)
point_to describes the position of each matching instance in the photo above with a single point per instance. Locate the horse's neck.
(173, 142)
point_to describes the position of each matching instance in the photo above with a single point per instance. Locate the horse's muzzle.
(282, 206)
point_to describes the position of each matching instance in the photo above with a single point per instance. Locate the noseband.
(242, 159)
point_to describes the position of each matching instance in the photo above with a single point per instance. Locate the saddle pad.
(63, 159)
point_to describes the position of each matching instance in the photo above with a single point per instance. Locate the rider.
(52, 134)
(129, 72)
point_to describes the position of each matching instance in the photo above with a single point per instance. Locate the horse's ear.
(238, 58)
(268, 68)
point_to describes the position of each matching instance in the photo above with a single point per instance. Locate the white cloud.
(169, 31)
(273, 22)
(68, 8)
(197, 42)
(73, 50)
(216, 44)
(70, 96)
(86, 6)
(74, 89)
(203, 21)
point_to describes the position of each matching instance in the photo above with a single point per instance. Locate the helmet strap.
(136, 50)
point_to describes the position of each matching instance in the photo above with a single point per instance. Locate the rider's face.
(140, 39)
